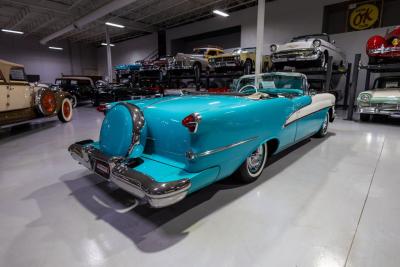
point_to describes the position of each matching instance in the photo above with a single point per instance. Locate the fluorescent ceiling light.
(115, 25)
(221, 13)
(56, 48)
(11, 31)
(106, 44)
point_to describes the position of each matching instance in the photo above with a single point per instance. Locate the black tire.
(74, 101)
(324, 128)
(65, 112)
(247, 67)
(365, 117)
(247, 172)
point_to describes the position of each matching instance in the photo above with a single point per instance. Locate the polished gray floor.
(327, 202)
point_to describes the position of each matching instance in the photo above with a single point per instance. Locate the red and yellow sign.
(364, 16)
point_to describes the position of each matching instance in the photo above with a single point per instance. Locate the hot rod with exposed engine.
(20, 101)
(160, 150)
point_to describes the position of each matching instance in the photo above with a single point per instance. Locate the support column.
(109, 63)
(260, 35)
(162, 43)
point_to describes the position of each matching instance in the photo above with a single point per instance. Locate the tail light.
(191, 122)
(375, 42)
(103, 108)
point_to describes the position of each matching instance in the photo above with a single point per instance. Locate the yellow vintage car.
(240, 59)
(21, 101)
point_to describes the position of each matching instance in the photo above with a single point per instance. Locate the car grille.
(386, 106)
(225, 59)
(294, 53)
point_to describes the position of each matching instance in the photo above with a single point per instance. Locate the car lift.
(324, 76)
(379, 68)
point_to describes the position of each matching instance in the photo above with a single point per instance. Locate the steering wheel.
(248, 86)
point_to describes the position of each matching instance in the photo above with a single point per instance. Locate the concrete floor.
(330, 202)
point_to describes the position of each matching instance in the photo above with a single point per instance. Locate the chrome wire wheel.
(324, 128)
(255, 160)
(325, 125)
(253, 166)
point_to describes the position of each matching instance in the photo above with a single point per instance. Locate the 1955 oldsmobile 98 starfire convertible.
(160, 150)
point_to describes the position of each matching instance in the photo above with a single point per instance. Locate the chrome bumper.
(142, 186)
(377, 111)
(299, 55)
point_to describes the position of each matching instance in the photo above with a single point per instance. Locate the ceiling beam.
(19, 18)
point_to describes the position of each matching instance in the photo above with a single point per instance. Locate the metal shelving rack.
(379, 68)
(324, 75)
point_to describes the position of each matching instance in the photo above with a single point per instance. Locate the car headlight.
(273, 48)
(316, 43)
(365, 97)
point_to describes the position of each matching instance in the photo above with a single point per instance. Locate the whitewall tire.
(324, 128)
(65, 112)
(253, 166)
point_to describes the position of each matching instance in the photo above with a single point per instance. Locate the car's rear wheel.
(365, 117)
(65, 112)
(253, 166)
(324, 128)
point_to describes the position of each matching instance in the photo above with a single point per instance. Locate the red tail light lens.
(191, 122)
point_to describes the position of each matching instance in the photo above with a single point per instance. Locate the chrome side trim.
(192, 156)
(138, 123)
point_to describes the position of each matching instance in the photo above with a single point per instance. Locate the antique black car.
(81, 88)
(111, 92)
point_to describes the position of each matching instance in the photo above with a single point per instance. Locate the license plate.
(102, 169)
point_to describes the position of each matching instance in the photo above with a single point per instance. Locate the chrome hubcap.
(325, 125)
(255, 161)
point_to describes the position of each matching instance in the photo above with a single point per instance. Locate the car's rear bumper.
(121, 173)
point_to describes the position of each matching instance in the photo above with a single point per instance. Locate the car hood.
(384, 95)
(182, 55)
(296, 45)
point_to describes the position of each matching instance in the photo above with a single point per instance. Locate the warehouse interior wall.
(49, 64)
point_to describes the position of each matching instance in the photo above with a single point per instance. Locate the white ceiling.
(43, 17)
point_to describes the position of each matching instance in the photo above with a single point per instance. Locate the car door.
(302, 106)
(19, 90)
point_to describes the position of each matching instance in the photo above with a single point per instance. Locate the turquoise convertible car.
(162, 149)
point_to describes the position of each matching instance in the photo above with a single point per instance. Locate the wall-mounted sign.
(364, 16)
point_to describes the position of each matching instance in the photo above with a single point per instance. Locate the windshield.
(387, 83)
(240, 50)
(311, 36)
(199, 51)
(273, 81)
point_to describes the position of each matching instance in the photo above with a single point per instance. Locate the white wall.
(284, 20)
(127, 52)
(49, 64)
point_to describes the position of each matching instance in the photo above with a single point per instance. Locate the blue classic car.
(162, 149)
